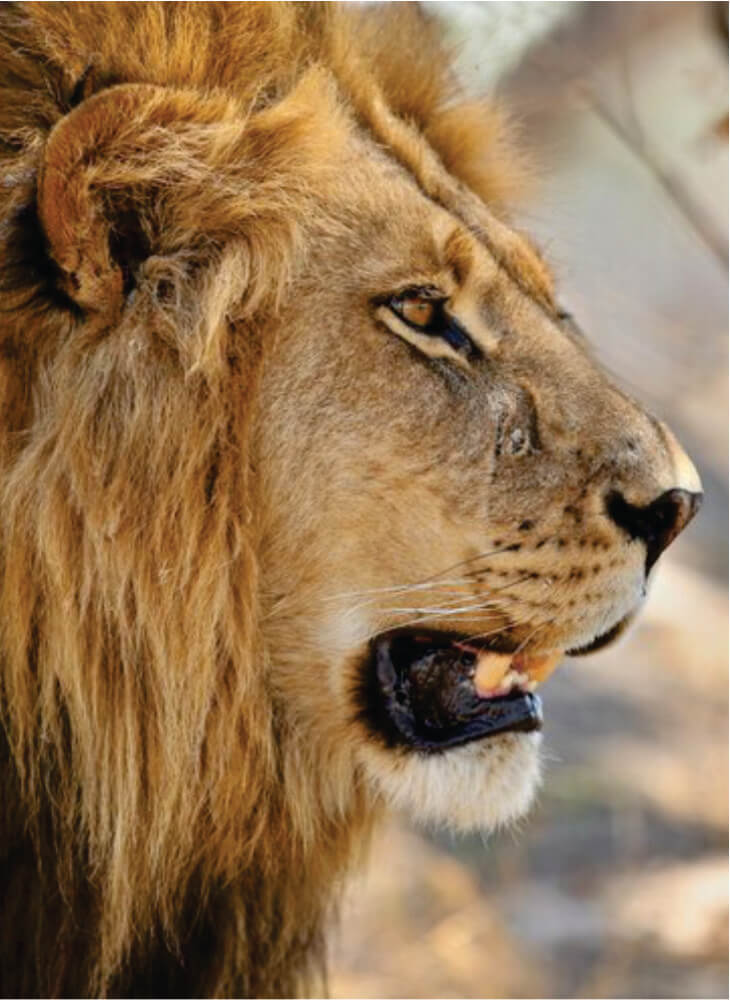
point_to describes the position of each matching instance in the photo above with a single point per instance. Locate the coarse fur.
(225, 465)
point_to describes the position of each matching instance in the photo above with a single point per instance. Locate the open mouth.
(432, 690)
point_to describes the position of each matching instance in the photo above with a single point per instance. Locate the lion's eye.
(425, 312)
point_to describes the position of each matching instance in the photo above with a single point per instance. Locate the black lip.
(417, 691)
(602, 640)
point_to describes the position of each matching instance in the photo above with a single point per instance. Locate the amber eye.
(424, 310)
(417, 311)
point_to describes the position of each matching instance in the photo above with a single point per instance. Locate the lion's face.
(455, 496)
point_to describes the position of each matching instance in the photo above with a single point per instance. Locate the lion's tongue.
(498, 673)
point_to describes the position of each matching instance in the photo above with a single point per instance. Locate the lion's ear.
(138, 170)
(93, 193)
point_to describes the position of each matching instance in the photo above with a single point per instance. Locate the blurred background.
(616, 884)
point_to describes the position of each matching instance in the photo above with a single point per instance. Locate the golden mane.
(141, 754)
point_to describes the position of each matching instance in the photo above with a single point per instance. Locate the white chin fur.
(479, 786)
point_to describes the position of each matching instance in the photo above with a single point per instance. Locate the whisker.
(513, 622)
(542, 625)
(420, 619)
(405, 587)
(436, 590)
(465, 562)
(441, 609)
(483, 597)
(427, 580)
(454, 610)
(534, 632)
(513, 583)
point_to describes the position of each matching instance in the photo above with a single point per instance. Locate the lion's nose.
(657, 524)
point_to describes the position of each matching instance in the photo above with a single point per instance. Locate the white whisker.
(441, 609)
(403, 588)
(421, 619)
(425, 583)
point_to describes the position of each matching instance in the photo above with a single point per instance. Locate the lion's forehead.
(407, 215)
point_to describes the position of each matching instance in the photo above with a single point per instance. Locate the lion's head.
(307, 477)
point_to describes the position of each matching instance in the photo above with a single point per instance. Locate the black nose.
(658, 524)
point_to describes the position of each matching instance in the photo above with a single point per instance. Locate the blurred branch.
(633, 139)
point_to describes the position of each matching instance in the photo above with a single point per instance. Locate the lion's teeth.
(490, 671)
(509, 680)
(498, 673)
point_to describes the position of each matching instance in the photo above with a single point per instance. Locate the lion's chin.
(480, 786)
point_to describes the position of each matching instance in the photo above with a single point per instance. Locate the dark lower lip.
(602, 640)
(416, 691)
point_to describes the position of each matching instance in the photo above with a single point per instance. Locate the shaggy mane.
(140, 752)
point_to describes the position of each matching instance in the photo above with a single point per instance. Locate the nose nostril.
(657, 524)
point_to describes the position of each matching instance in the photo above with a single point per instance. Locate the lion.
(308, 481)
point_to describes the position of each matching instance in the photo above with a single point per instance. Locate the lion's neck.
(261, 935)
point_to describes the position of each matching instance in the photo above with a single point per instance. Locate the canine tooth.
(490, 671)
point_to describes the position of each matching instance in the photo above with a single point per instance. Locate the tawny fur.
(148, 766)
(187, 187)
